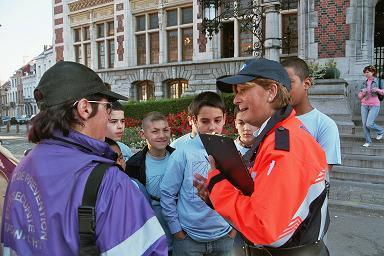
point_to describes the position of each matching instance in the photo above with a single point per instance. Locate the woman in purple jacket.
(41, 205)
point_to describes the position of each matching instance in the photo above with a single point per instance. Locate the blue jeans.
(368, 116)
(190, 247)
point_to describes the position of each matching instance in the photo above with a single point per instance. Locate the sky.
(26, 26)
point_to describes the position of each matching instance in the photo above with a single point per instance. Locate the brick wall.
(332, 31)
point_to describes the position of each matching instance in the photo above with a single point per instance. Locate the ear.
(190, 120)
(225, 118)
(84, 109)
(142, 135)
(307, 83)
(272, 93)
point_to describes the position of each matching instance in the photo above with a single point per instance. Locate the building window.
(176, 88)
(82, 45)
(111, 53)
(140, 23)
(105, 42)
(154, 47)
(78, 54)
(141, 49)
(172, 45)
(180, 34)
(245, 43)
(145, 90)
(187, 43)
(87, 60)
(289, 30)
(111, 28)
(147, 39)
(101, 55)
(228, 44)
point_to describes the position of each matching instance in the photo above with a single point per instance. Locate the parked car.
(22, 119)
(5, 120)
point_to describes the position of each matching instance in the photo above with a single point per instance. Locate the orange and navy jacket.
(289, 205)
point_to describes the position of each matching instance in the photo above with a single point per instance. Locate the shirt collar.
(257, 132)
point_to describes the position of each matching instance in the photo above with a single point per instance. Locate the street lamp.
(248, 13)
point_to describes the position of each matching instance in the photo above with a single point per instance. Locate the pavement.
(352, 233)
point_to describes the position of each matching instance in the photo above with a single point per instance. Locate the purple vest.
(40, 207)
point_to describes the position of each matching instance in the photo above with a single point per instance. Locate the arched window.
(176, 88)
(145, 90)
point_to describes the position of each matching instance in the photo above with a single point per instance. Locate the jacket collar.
(274, 121)
(83, 143)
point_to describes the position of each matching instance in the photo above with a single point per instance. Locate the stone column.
(272, 42)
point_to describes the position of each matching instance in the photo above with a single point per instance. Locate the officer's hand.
(199, 182)
(212, 163)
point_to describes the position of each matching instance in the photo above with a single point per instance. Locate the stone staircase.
(358, 184)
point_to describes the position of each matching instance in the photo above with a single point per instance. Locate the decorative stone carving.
(120, 47)
(202, 40)
(84, 4)
(120, 23)
(80, 18)
(59, 53)
(120, 7)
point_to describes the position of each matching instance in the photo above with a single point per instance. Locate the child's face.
(116, 125)
(157, 134)
(245, 130)
(368, 74)
(298, 87)
(209, 120)
(120, 158)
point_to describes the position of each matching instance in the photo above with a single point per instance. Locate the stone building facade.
(155, 48)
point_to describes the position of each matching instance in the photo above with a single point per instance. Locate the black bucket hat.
(68, 80)
(253, 69)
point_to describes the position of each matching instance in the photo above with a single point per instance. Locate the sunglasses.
(108, 105)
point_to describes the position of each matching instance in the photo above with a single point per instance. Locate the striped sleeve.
(125, 222)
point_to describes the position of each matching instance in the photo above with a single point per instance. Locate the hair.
(60, 117)
(370, 68)
(190, 109)
(282, 98)
(117, 106)
(108, 85)
(206, 99)
(111, 142)
(152, 117)
(298, 65)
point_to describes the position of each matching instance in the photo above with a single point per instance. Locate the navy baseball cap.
(68, 80)
(256, 68)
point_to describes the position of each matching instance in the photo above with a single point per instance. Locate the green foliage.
(137, 110)
(132, 138)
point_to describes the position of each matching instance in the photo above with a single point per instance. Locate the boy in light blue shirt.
(319, 125)
(148, 165)
(196, 227)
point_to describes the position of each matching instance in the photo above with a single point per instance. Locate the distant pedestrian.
(370, 104)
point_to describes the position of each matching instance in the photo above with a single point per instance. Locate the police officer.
(287, 214)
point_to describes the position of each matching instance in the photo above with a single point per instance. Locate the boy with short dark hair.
(319, 125)
(179, 141)
(115, 128)
(246, 137)
(148, 165)
(196, 227)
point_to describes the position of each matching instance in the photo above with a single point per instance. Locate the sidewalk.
(14, 141)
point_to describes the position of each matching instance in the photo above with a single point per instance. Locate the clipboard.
(228, 161)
